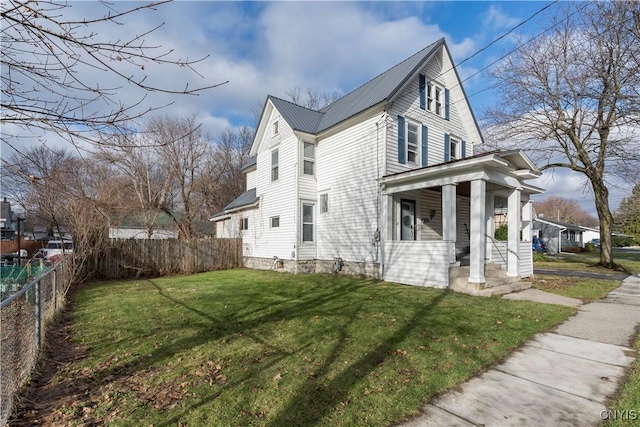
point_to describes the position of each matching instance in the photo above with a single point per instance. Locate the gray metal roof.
(298, 117)
(251, 161)
(382, 88)
(247, 198)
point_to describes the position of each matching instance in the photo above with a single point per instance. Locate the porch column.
(527, 221)
(513, 245)
(478, 230)
(449, 221)
(490, 211)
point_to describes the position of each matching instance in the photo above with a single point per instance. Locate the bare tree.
(133, 159)
(312, 98)
(49, 60)
(564, 210)
(570, 96)
(182, 151)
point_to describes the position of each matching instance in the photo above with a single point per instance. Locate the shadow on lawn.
(316, 398)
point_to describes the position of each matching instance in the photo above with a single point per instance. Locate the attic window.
(275, 127)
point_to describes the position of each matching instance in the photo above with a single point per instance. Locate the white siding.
(431, 225)
(408, 106)
(464, 221)
(277, 198)
(251, 179)
(421, 263)
(526, 259)
(346, 168)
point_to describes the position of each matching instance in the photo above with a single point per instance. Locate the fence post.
(55, 289)
(38, 316)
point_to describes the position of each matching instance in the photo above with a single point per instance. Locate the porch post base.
(479, 279)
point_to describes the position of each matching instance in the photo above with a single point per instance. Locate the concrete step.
(495, 290)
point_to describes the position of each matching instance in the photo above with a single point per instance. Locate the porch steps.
(496, 281)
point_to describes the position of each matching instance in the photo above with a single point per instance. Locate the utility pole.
(18, 219)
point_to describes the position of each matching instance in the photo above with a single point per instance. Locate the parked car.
(595, 242)
(538, 245)
(57, 247)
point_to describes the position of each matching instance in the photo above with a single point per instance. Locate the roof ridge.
(430, 46)
(293, 103)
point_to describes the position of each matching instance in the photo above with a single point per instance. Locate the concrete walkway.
(560, 378)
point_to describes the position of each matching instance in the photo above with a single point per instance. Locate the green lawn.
(243, 347)
(627, 403)
(587, 290)
(628, 263)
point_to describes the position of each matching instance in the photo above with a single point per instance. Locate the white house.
(384, 182)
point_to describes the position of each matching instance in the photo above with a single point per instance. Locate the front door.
(407, 220)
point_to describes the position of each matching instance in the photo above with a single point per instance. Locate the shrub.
(621, 241)
(502, 233)
(589, 247)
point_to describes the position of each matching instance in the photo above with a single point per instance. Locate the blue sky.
(264, 48)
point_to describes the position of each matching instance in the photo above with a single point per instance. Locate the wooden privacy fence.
(150, 258)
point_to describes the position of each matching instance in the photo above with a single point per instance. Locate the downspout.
(296, 193)
(382, 236)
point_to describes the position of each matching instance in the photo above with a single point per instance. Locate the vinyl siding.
(346, 168)
(421, 263)
(408, 106)
(276, 198)
(251, 180)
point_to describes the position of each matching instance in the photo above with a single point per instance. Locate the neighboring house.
(589, 233)
(7, 221)
(383, 182)
(558, 236)
(134, 226)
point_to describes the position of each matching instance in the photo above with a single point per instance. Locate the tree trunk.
(605, 218)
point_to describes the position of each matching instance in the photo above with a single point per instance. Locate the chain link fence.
(23, 320)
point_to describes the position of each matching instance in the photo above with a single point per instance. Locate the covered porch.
(438, 222)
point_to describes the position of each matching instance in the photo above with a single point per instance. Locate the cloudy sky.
(262, 48)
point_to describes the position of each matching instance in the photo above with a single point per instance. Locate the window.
(324, 203)
(453, 150)
(412, 143)
(275, 221)
(307, 222)
(309, 158)
(436, 97)
(244, 224)
(274, 165)
(275, 128)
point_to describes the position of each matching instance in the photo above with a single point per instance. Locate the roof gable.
(382, 88)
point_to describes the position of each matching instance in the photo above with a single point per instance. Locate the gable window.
(275, 127)
(307, 222)
(274, 165)
(438, 100)
(275, 221)
(324, 203)
(309, 158)
(244, 224)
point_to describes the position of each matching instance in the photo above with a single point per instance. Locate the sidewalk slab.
(543, 297)
(599, 321)
(499, 399)
(585, 378)
(585, 349)
(436, 417)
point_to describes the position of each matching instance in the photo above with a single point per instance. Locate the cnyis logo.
(619, 414)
